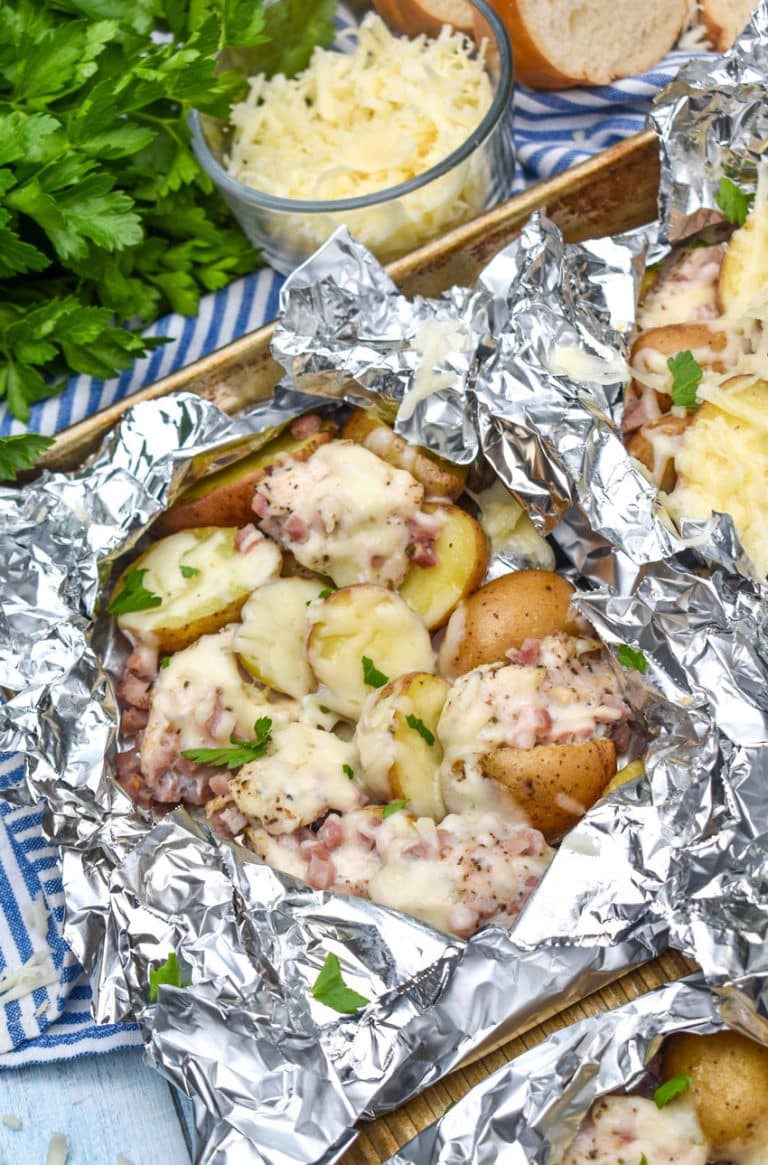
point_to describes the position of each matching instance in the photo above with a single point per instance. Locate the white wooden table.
(114, 1110)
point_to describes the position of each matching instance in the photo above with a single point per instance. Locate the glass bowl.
(395, 220)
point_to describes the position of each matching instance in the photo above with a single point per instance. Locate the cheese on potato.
(343, 513)
(631, 1128)
(301, 778)
(201, 699)
(722, 465)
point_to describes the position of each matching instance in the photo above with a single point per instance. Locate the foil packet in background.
(530, 1110)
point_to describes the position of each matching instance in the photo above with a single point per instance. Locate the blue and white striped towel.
(553, 131)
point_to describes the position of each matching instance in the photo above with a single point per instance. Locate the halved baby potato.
(462, 552)
(440, 478)
(224, 498)
(527, 604)
(396, 738)
(554, 784)
(270, 642)
(729, 1086)
(360, 637)
(201, 579)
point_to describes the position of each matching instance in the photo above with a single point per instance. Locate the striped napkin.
(50, 1019)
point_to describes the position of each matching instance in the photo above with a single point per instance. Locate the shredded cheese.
(354, 123)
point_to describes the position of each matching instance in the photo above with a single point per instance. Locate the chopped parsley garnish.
(325, 593)
(20, 452)
(189, 571)
(420, 727)
(643, 1160)
(348, 772)
(393, 807)
(733, 201)
(371, 674)
(686, 375)
(667, 1091)
(240, 754)
(168, 972)
(134, 596)
(165, 661)
(329, 988)
(628, 657)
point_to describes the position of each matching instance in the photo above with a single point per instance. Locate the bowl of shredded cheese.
(398, 136)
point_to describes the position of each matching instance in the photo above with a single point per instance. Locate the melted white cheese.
(203, 698)
(352, 511)
(301, 778)
(620, 1130)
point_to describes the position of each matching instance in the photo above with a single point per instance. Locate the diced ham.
(247, 537)
(296, 528)
(219, 784)
(133, 721)
(321, 873)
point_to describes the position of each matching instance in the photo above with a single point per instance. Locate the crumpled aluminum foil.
(679, 856)
(530, 1110)
(712, 122)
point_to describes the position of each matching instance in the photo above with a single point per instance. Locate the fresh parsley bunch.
(105, 215)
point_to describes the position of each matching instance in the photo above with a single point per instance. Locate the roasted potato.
(440, 478)
(359, 638)
(396, 738)
(462, 553)
(224, 498)
(683, 288)
(554, 784)
(201, 580)
(527, 604)
(729, 1085)
(270, 643)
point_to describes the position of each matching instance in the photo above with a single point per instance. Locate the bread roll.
(724, 20)
(561, 43)
(413, 17)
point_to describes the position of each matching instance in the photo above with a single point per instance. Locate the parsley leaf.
(242, 752)
(643, 1159)
(733, 201)
(671, 1088)
(628, 657)
(348, 772)
(325, 593)
(189, 571)
(686, 375)
(371, 674)
(419, 726)
(168, 972)
(134, 596)
(165, 661)
(393, 807)
(103, 206)
(21, 452)
(329, 988)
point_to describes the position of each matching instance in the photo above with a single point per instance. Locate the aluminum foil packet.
(530, 1110)
(496, 370)
(712, 122)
